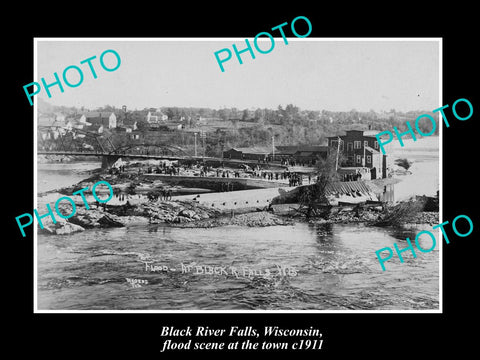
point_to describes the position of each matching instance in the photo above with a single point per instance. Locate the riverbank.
(137, 209)
(251, 219)
(141, 199)
(372, 217)
(107, 216)
(190, 214)
(416, 210)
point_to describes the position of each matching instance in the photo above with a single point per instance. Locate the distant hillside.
(44, 107)
(231, 127)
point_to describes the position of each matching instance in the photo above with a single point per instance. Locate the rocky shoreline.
(142, 210)
(252, 219)
(371, 218)
(168, 212)
(188, 214)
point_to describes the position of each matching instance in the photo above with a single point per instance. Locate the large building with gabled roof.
(361, 149)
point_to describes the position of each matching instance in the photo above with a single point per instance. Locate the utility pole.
(338, 151)
(273, 148)
(195, 144)
(364, 153)
(124, 108)
(203, 136)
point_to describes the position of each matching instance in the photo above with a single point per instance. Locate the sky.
(311, 73)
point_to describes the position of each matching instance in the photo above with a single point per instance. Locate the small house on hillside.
(107, 119)
(56, 119)
(74, 122)
(45, 120)
(156, 116)
(126, 128)
(97, 128)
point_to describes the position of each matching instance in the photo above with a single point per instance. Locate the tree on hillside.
(245, 115)
(223, 114)
(142, 125)
(258, 116)
(170, 112)
(106, 108)
(312, 115)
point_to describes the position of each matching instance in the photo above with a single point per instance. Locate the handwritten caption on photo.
(241, 338)
(242, 271)
(209, 270)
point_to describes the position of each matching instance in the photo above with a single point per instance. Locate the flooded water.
(57, 175)
(297, 267)
(321, 267)
(425, 158)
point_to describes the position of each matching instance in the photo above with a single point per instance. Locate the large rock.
(47, 230)
(181, 219)
(109, 221)
(68, 228)
(87, 218)
(187, 213)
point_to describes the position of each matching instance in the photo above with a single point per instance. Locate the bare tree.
(312, 198)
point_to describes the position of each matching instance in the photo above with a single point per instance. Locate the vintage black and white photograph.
(181, 174)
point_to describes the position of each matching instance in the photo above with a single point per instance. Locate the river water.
(295, 267)
(424, 156)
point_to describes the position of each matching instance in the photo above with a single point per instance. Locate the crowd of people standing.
(290, 161)
(352, 177)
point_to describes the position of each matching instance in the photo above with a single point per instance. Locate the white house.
(73, 123)
(156, 116)
(108, 120)
(60, 118)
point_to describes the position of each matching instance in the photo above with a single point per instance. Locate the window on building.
(357, 144)
(359, 159)
(365, 143)
(349, 146)
(375, 144)
(369, 159)
(341, 145)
